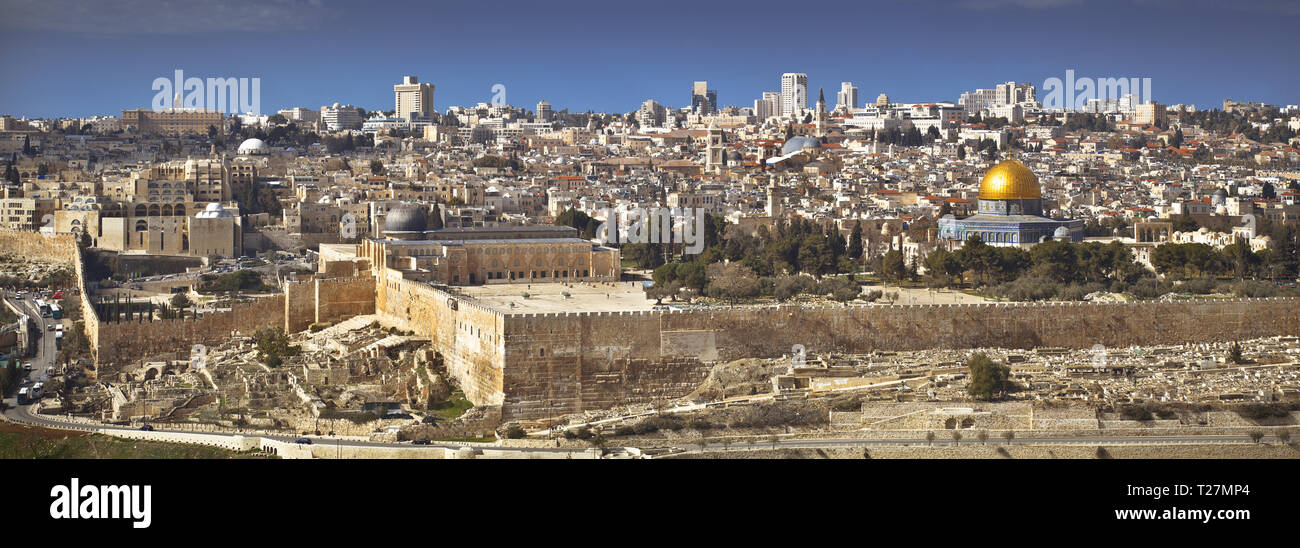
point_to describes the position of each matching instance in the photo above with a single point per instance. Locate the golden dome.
(1009, 180)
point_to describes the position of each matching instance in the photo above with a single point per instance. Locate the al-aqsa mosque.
(1010, 212)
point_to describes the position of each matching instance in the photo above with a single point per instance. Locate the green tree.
(1055, 260)
(987, 377)
(815, 255)
(180, 302)
(893, 267)
(978, 257)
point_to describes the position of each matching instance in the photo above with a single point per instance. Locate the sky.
(69, 58)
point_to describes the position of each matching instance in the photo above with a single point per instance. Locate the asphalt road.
(46, 352)
(970, 440)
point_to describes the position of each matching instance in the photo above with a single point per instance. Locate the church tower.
(715, 157)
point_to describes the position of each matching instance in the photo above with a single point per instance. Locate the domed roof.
(213, 211)
(1061, 233)
(1010, 180)
(406, 218)
(253, 146)
(795, 144)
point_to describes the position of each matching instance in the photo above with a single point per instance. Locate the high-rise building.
(651, 114)
(544, 112)
(768, 106)
(413, 100)
(882, 100)
(1149, 113)
(847, 98)
(335, 117)
(794, 93)
(704, 101)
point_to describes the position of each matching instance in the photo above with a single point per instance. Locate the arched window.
(139, 210)
(180, 210)
(153, 210)
(141, 226)
(167, 211)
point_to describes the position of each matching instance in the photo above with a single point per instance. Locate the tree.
(815, 255)
(983, 436)
(929, 438)
(1256, 435)
(1009, 435)
(956, 437)
(987, 377)
(273, 346)
(1283, 435)
(376, 167)
(977, 256)
(1234, 353)
(1055, 260)
(892, 266)
(732, 281)
(181, 301)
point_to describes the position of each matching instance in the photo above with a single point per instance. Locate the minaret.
(821, 113)
(773, 199)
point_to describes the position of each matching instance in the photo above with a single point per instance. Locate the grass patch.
(25, 442)
(454, 406)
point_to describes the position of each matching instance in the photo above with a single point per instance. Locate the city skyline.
(303, 63)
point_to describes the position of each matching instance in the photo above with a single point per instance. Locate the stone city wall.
(468, 336)
(342, 298)
(325, 300)
(35, 247)
(567, 362)
(123, 343)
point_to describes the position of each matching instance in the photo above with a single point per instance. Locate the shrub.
(1146, 288)
(514, 432)
(1255, 289)
(1027, 288)
(1077, 292)
(1263, 411)
(1199, 286)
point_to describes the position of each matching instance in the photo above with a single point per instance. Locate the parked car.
(146, 428)
(302, 441)
(421, 441)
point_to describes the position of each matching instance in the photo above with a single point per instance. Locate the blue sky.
(66, 58)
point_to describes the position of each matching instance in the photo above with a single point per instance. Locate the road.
(25, 414)
(46, 351)
(1073, 440)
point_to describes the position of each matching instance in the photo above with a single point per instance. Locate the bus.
(56, 311)
(35, 393)
(24, 396)
(43, 306)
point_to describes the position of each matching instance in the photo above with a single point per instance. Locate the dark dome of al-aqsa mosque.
(406, 219)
